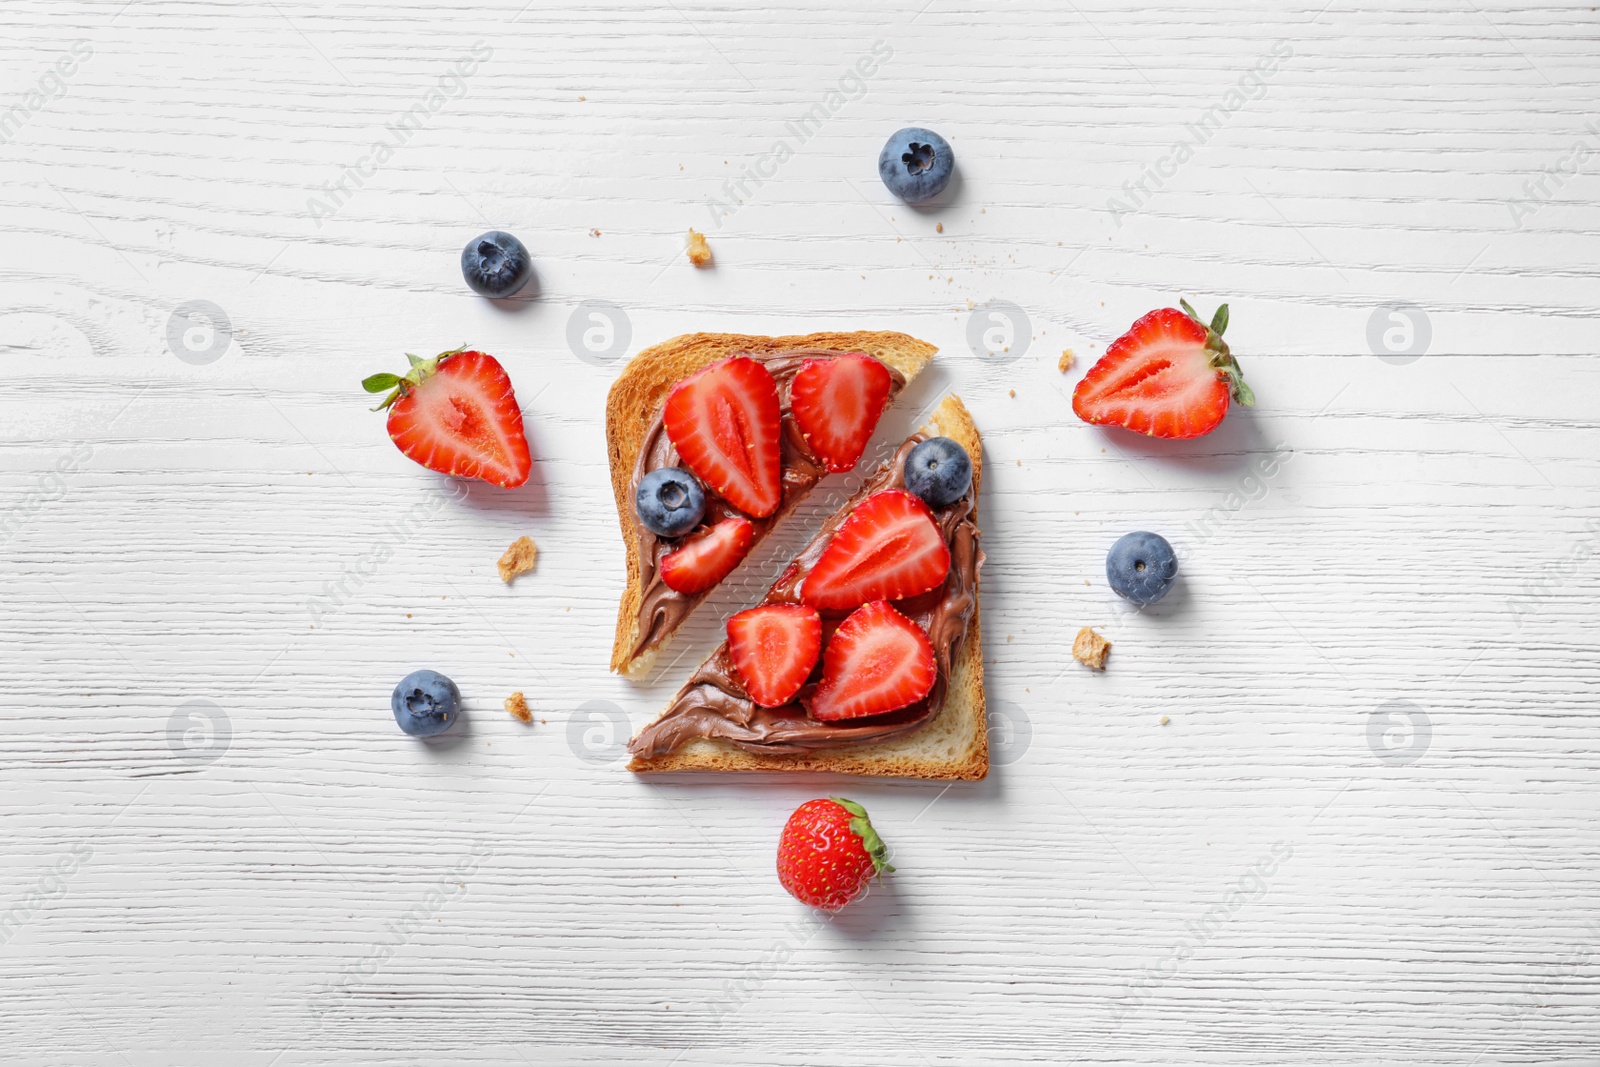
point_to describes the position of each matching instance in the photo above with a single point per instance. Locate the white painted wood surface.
(1291, 871)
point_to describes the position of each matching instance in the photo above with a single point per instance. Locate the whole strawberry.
(828, 852)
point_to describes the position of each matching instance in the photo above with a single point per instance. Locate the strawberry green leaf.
(1219, 321)
(1190, 311)
(851, 806)
(861, 826)
(379, 383)
(1228, 367)
(1242, 392)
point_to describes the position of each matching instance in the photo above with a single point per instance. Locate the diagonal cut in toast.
(650, 613)
(711, 725)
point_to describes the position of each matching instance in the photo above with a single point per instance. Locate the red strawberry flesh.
(877, 661)
(725, 421)
(837, 403)
(1169, 376)
(462, 419)
(707, 558)
(889, 548)
(774, 648)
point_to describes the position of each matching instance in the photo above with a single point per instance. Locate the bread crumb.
(517, 705)
(1068, 358)
(1013, 392)
(699, 251)
(581, 98)
(1165, 720)
(518, 559)
(1090, 649)
(594, 233)
(939, 228)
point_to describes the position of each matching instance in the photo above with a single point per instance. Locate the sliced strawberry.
(705, 559)
(888, 548)
(1170, 375)
(724, 421)
(837, 403)
(773, 648)
(878, 661)
(456, 414)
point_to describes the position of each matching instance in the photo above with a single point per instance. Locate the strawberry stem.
(861, 826)
(421, 370)
(1221, 358)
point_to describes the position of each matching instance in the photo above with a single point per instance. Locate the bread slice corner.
(954, 745)
(636, 398)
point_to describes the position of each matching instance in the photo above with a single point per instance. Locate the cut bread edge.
(954, 745)
(635, 400)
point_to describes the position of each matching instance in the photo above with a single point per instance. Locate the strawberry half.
(887, 549)
(773, 648)
(707, 558)
(878, 661)
(837, 403)
(1170, 375)
(724, 421)
(456, 414)
(828, 852)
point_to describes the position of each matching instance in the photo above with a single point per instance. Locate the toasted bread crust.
(955, 745)
(636, 398)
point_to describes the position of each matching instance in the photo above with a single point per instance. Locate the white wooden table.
(1368, 832)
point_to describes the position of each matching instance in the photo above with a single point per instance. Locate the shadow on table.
(1228, 449)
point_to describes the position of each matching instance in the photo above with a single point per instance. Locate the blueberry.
(670, 502)
(916, 164)
(496, 264)
(425, 703)
(1141, 566)
(939, 471)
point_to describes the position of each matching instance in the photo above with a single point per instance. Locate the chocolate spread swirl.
(714, 704)
(661, 609)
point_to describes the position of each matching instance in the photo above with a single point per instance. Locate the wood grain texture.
(278, 876)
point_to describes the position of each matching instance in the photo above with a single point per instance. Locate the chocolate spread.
(662, 609)
(714, 704)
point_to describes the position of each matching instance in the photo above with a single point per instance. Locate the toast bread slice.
(635, 400)
(954, 744)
